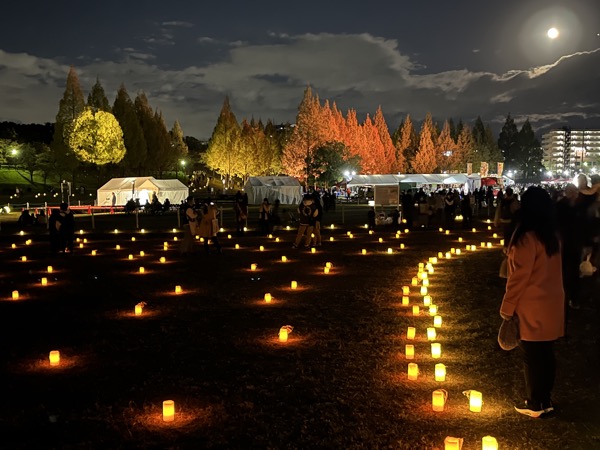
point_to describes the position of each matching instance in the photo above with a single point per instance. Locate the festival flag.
(469, 168)
(483, 171)
(500, 169)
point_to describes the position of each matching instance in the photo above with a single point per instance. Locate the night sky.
(456, 59)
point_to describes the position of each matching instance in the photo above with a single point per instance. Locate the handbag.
(508, 335)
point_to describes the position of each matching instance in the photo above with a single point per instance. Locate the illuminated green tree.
(96, 137)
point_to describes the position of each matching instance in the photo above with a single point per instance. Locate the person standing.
(209, 227)
(66, 228)
(534, 293)
(241, 213)
(190, 225)
(316, 241)
(505, 214)
(371, 218)
(308, 212)
(264, 216)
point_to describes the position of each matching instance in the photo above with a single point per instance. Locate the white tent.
(285, 189)
(141, 188)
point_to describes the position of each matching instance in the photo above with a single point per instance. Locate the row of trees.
(323, 143)
(129, 137)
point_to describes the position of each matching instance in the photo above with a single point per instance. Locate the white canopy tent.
(285, 189)
(141, 188)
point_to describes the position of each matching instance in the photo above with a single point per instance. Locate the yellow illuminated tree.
(96, 137)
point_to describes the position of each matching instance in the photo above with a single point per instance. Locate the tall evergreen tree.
(529, 157)
(97, 98)
(71, 105)
(133, 134)
(465, 148)
(145, 117)
(178, 145)
(273, 149)
(426, 158)
(223, 148)
(446, 146)
(392, 162)
(407, 144)
(508, 142)
(160, 154)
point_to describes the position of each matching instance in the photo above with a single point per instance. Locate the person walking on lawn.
(534, 293)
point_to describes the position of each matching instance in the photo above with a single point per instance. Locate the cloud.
(178, 23)
(266, 80)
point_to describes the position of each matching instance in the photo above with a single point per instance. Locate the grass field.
(339, 382)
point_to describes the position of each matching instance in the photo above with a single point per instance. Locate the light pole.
(182, 166)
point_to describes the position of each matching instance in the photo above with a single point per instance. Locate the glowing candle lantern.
(175, 238)
(117, 247)
(489, 227)
(405, 290)
(168, 411)
(402, 246)
(348, 233)
(458, 252)
(332, 226)
(437, 321)
(429, 268)
(452, 443)
(413, 371)
(390, 251)
(460, 239)
(406, 230)
(427, 300)
(237, 246)
(116, 231)
(405, 300)
(54, 358)
(489, 443)
(294, 285)
(433, 310)
(80, 245)
(166, 244)
(482, 245)
(23, 258)
(426, 283)
(414, 281)
(438, 400)
(436, 350)
(448, 255)
(94, 252)
(261, 248)
(325, 269)
(138, 309)
(351, 236)
(50, 269)
(283, 334)
(502, 242)
(328, 264)
(270, 236)
(411, 333)
(453, 250)
(15, 295)
(130, 257)
(409, 351)
(489, 245)
(415, 310)
(313, 250)
(14, 246)
(441, 230)
(380, 240)
(447, 231)
(495, 235)
(421, 266)
(440, 255)
(331, 239)
(268, 298)
(44, 281)
(475, 401)
(253, 267)
(178, 289)
(440, 372)
(142, 253)
(284, 259)
(142, 270)
(473, 248)
(163, 259)
(423, 275)
(364, 251)
(423, 290)
(28, 242)
(228, 236)
(133, 239)
(85, 241)
(276, 239)
(431, 334)
(474, 230)
(434, 260)
(22, 233)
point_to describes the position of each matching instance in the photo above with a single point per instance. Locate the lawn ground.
(339, 382)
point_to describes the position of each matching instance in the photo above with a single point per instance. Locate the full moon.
(552, 33)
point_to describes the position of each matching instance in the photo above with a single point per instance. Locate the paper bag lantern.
(405, 300)
(15, 295)
(284, 259)
(489, 443)
(436, 350)
(54, 358)
(431, 334)
(409, 351)
(138, 309)
(437, 321)
(178, 290)
(253, 267)
(427, 300)
(452, 443)
(415, 310)
(413, 371)
(438, 399)
(50, 269)
(44, 281)
(411, 332)
(405, 290)
(475, 401)
(414, 281)
(268, 298)
(294, 285)
(364, 251)
(168, 411)
(142, 270)
(440, 372)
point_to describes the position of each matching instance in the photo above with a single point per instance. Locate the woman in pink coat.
(534, 293)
